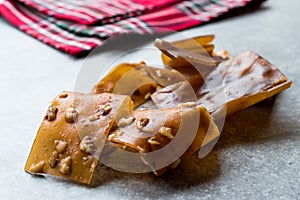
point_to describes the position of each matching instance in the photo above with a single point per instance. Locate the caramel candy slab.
(246, 80)
(190, 42)
(72, 134)
(184, 57)
(148, 131)
(168, 76)
(107, 84)
(139, 80)
(128, 79)
(199, 45)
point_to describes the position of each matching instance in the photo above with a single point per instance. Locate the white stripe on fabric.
(59, 30)
(198, 14)
(128, 23)
(142, 25)
(41, 30)
(111, 9)
(51, 7)
(215, 8)
(81, 9)
(131, 4)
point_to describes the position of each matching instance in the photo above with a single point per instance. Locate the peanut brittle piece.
(139, 80)
(245, 80)
(128, 79)
(198, 45)
(174, 133)
(71, 136)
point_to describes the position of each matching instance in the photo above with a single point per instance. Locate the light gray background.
(257, 156)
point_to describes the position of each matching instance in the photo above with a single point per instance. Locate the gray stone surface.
(257, 156)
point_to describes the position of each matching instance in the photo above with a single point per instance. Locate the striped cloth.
(78, 26)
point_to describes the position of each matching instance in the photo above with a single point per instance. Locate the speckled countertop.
(257, 156)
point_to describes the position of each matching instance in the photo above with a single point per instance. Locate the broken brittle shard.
(160, 138)
(245, 80)
(70, 138)
(197, 45)
(150, 130)
(81, 130)
(76, 128)
(139, 80)
(128, 79)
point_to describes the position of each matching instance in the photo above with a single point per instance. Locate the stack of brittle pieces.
(140, 118)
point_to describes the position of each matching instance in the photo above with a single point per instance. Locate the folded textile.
(96, 11)
(76, 27)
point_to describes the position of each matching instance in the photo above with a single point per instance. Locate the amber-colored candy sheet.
(128, 79)
(198, 45)
(184, 57)
(245, 80)
(151, 139)
(59, 149)
(139, 81)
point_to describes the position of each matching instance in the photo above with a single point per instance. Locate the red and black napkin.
(76, 27)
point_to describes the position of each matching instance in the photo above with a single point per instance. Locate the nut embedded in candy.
(56, 149)
(51, 113)
(71, 115)
(72, 150)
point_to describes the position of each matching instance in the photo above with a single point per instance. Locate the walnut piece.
(167, 132)
(71, 115)
(153, 142)
(87, 145)
(187, 104)
(65, 165)
(222, 53)
(116, 133)
(63, 95)
(141, 150)
(53, 159)
(111, 136)
(125, 121)
(51, 113)
(105, 109)
(94, 117)
(147, 95)
(141, 123)
(60, 146)
(37, 167)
